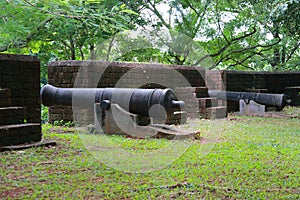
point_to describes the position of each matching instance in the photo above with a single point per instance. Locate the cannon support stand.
(251, 108)
(112, 119)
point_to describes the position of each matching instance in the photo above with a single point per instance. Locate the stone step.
(12, 115)
(191, 95)
(201, 103)
(191, 89)
(197, 92)
(207, 102)
(214, 112)
(192, 110)
(5, 102)
(20, 134)
(5, 95)
(187, 97)
(178, 117)
(193, 115)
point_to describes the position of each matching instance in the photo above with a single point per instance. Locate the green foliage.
(60, 30)
(44, 114)
(239, 34)
(63, 123)
(293, 111)
(145, 55)
(255, 35)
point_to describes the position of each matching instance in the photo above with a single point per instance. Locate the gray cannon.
(136, 101)
(273, 100)
(119, 108)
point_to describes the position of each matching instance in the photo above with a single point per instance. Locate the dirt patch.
(286, 113)
(14, 193)
(280, 115)
(62, 130)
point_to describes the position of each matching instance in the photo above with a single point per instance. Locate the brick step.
(207, 102)
(187, 96)
(193, 115)
(191, 89)
(197, 92)
(178, 117)
(191, 96)
(20, 134)
(12, 115)
(201, 103)
(192, 110)
(5, 95)
(214, 112)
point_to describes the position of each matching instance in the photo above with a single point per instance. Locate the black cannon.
(135, 101)
(273, 100)
(125, 110)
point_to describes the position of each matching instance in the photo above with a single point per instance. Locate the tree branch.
(228, 56)
(29, 37)
(296, 47)
(240, 63)
(200, 18)
(244, 36)
(65, 44)
(255, 46)
(157, 13)
(78, 17)
(234, 40)
(111, 43)
(193, 8)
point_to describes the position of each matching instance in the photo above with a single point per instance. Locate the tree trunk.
(81, 53)
(111, 43)
(92, 52)
(276, 53)
(72, 48)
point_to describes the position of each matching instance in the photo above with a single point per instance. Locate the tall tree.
(276, 44)
(73, 27)
(236, 34)
(60, 29)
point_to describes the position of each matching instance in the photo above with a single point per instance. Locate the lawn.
(236, 158)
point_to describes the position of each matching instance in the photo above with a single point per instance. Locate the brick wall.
(271, 82)
(214, 80)
(20, 113)
(82, 74)
(21, 74)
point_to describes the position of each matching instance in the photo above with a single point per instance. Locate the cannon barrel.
(136, 101)
(268, 99)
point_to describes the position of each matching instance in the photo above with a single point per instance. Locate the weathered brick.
(19, 134)
(12, 115)
(112, 72)
(21, 74)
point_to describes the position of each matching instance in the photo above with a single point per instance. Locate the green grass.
(290, 110)
(238, 158)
